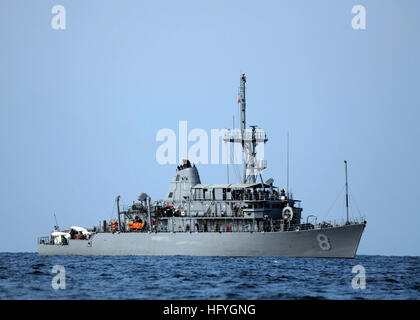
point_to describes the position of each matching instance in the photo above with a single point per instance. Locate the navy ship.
(250, 218)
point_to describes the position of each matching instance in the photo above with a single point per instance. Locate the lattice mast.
(248, 139)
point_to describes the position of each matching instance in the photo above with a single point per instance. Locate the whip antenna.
(347, 193)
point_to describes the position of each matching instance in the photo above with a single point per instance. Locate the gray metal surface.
(336, 242)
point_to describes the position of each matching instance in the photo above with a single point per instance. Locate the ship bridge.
(242, 191)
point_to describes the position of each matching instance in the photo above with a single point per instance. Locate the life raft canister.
(136, 225)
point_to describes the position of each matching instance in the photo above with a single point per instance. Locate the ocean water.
(29, 276)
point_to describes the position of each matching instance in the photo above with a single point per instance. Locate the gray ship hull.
(335, 242)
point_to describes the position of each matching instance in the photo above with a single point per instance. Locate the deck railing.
(249, 228)
(44, 240)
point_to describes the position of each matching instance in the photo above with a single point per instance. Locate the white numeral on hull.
(323, 241)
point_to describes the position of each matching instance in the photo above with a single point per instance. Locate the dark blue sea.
(29, 276)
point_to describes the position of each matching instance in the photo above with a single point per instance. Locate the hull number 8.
(323, 241)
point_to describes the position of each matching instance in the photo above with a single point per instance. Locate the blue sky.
(80, 108)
